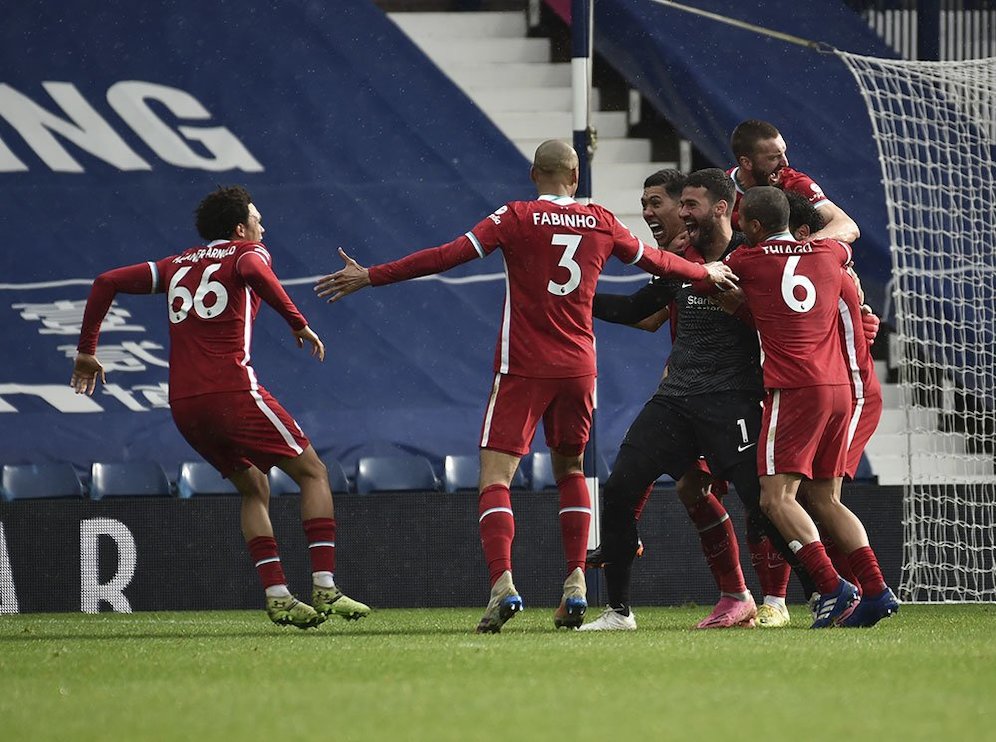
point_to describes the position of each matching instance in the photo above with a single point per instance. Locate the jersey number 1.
(570, 243)
(196, 300)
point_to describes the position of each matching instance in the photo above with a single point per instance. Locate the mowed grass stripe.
(422, 674)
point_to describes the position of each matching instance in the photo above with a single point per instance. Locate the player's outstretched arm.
(721, 275)
(351, 278)
(86, 370)
(307, 335)
(838, 225)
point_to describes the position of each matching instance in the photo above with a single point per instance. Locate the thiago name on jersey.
(559, 219)
(787, 249)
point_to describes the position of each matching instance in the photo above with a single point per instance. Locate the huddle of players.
(554, 250)
(699, 404)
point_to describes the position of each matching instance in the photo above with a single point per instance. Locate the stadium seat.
(200, 478)
(337, 475)
(864, 471)
(462, 473)
(395, 474)
(542, 472)
(39, 481)
(281, 483)
(129, 478)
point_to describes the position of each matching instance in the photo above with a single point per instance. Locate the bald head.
(555, 155)
(555, 168)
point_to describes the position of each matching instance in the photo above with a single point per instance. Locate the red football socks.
(869, 575)
(638, 510)
(719, 543)
(839, 559)
(814, 558)
(575, 519)
(497, 529)
(263, 550)
(320, 533)
(772, 570)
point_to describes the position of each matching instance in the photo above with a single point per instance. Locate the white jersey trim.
(155, 276)
(506, 325)
(769, 439)
(639, 253)
(486, 435)
(476, 243)
(559, 200)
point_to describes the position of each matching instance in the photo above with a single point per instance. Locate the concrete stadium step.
(556, 124)
(894, 444)
(613, 151)
(927, 469)
(480, 50)
(509, 75)
(447, 25)
(525, 99)
(920, 419)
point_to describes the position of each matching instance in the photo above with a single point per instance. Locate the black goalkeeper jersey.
(712, 350)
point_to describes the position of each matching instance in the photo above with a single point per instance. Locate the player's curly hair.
(802, 212)
(221, 211)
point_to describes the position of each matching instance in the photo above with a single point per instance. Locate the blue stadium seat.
(542, 472)
(281, 483)
(395, 474)
(200, 478)
(129, 478)
(39, 481)
(337, 476)
(864, 472)
(462, 473)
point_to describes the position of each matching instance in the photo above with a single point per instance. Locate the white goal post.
(935, 127)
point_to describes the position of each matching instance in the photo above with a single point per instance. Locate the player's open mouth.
(656, 229)
(692, 227)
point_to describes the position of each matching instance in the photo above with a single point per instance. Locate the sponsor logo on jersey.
(496, 216)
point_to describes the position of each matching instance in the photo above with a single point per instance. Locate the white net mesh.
(935, 130)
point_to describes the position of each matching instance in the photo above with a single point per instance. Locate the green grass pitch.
(927, 674)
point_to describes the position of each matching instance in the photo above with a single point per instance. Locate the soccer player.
(793, 291)
(761, 161)
(858, 320)
(708, 403)
(213, 292)
(554, 250)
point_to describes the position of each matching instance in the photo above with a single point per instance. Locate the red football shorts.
(517, 404)
(804, 431)
(235, 430)
(864, 422)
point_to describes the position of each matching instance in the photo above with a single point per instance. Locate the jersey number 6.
(204, 288)
(790, 282)
(570, 243)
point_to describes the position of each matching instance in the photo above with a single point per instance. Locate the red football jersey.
(213, 293)
(861, 365)
(554, 250)
(792, 290)
(788, 180)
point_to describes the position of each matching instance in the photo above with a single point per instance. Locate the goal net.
(935, 127)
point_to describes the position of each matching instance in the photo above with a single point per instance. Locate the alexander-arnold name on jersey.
(205, 253)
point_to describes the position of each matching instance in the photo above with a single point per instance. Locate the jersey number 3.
(205, 288)
(570, 243)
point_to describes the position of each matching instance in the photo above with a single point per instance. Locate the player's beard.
(705, 229)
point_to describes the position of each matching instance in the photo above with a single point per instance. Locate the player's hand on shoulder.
(721, 275)
(86, 370)
(352, 277)
(307, 335)
(730, 300)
